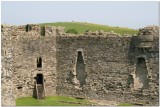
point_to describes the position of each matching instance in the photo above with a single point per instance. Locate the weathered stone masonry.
(7, 67)
(96, 65)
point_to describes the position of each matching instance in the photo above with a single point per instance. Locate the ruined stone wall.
(28, 47)
(149, 52)
(111, 69)
(7, 90)
(105, 61)
(96, 65)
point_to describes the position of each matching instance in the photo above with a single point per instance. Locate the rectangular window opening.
(28, 28)
(39, 62)
(43, 31)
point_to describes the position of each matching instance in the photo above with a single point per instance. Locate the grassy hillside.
(81, 27)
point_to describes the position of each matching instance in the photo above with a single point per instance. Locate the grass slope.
(81, 27)
(51, 101)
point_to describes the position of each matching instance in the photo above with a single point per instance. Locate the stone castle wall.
(7, 90)
(104, 68)
(110, 68)
(28, 47)
(94, 65)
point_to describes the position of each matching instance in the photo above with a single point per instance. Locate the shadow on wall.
(131, 50)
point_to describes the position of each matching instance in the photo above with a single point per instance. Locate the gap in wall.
(80, 69)
(43, 31)
(39, 62)
(141, 74)
(28, 28)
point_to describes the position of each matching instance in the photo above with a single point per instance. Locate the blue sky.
(125, 14)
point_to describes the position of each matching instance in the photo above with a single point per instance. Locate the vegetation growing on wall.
(74, 31)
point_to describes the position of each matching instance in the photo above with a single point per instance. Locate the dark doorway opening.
(39, 79)
(38, 91)
(39, 62)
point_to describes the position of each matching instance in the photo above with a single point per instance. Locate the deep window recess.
(141, 74)
(28, 28)
(39, 62)
(43, 31)
(19, 87)
(80, 69)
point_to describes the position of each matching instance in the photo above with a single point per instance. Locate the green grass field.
(81, 27)
(58, 101)
(52, 101)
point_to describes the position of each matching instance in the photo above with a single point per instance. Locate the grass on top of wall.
(81, 27)
(52, 101)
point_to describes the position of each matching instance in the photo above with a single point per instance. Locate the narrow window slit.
(43, 31)
(39, 62)
(19, 87)
(28, 28)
